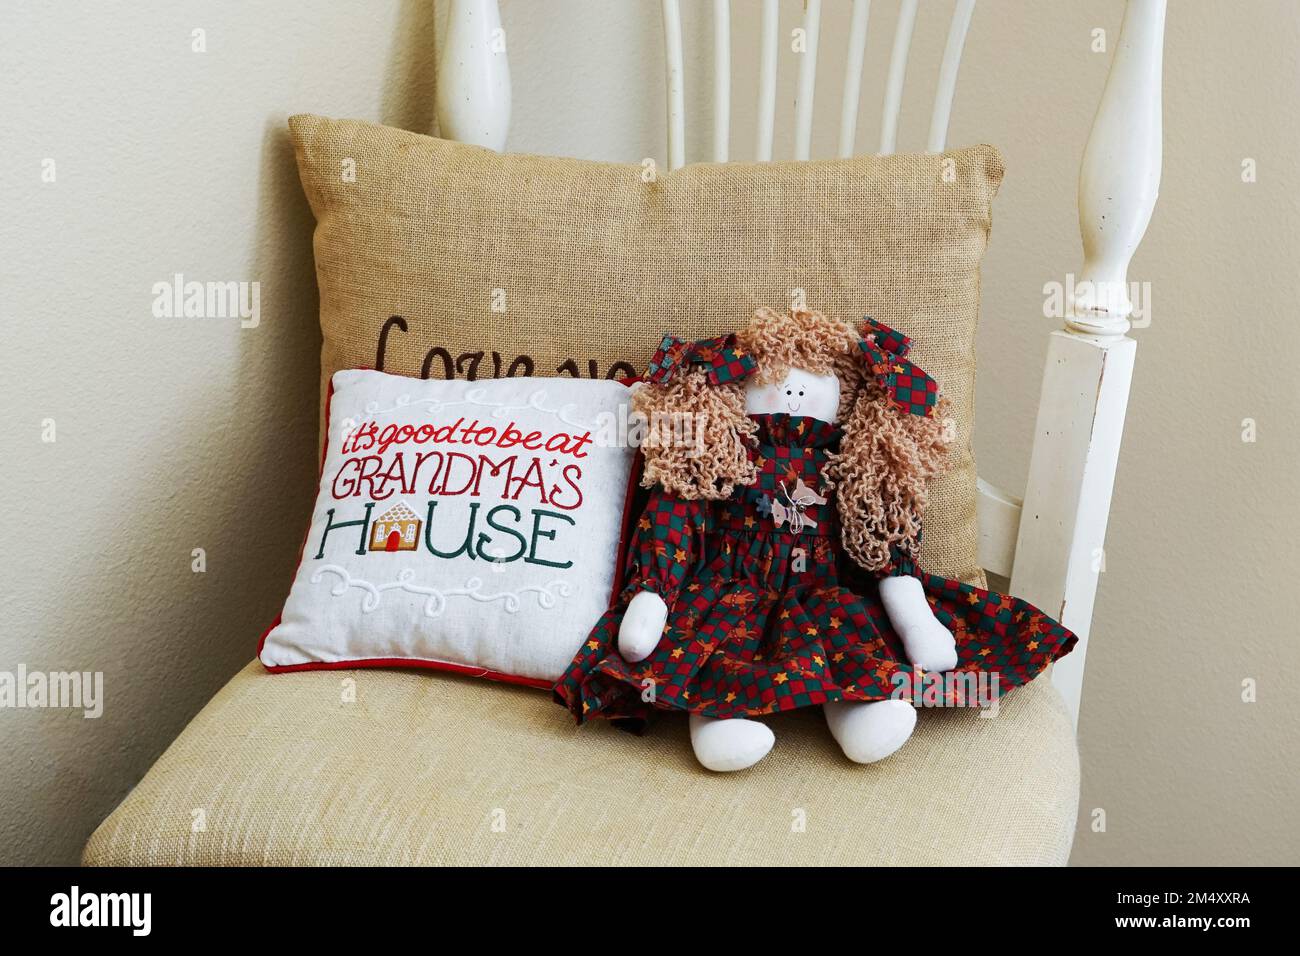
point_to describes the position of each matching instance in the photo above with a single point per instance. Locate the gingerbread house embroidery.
(397, 529)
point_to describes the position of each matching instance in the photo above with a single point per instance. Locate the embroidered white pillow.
(471, 526)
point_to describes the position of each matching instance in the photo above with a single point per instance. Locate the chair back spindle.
(947, 86)
(803, 99)
(769, 45)
(893, 105)
(852, 94)
(721, 80)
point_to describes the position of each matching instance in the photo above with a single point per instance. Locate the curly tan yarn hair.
(886, 457)
(700, 442)
(697, 437)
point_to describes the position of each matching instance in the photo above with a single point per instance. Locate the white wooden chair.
(424, 770)
(1050, 543)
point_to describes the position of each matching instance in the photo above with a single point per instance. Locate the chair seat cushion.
(284, 770)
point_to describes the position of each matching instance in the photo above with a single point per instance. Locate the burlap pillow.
(444, 260)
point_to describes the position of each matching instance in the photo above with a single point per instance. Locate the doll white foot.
(733, 744)
(928, 644)
(870, 731)
(642, 626)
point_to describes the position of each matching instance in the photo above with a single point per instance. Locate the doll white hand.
(643, 625)
(929, 645)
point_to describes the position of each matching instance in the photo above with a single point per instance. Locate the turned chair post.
(1060, 545)
(473, 94)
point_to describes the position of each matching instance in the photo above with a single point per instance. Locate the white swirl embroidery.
(436, 601)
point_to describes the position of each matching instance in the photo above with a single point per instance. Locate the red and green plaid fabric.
(885, 338)
(723, 356)
(764, 620)
(904, 382)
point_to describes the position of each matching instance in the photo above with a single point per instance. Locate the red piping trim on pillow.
(416, 662)
(634, 475)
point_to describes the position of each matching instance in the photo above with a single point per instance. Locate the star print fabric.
(765, 619)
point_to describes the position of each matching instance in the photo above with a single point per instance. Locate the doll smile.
(793, 406)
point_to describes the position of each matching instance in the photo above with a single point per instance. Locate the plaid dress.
(763, 618)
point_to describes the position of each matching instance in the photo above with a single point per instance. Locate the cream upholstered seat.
(435, 769)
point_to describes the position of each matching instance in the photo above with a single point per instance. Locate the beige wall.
(173, 435)
(170, 434)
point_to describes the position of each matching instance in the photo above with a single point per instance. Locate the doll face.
(800, 393)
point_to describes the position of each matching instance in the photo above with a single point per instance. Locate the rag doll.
(774, 566)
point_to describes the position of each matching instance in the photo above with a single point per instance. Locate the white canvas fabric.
(475, 524)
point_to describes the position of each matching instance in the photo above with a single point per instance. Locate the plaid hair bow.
(724, 358)
(907, 386)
